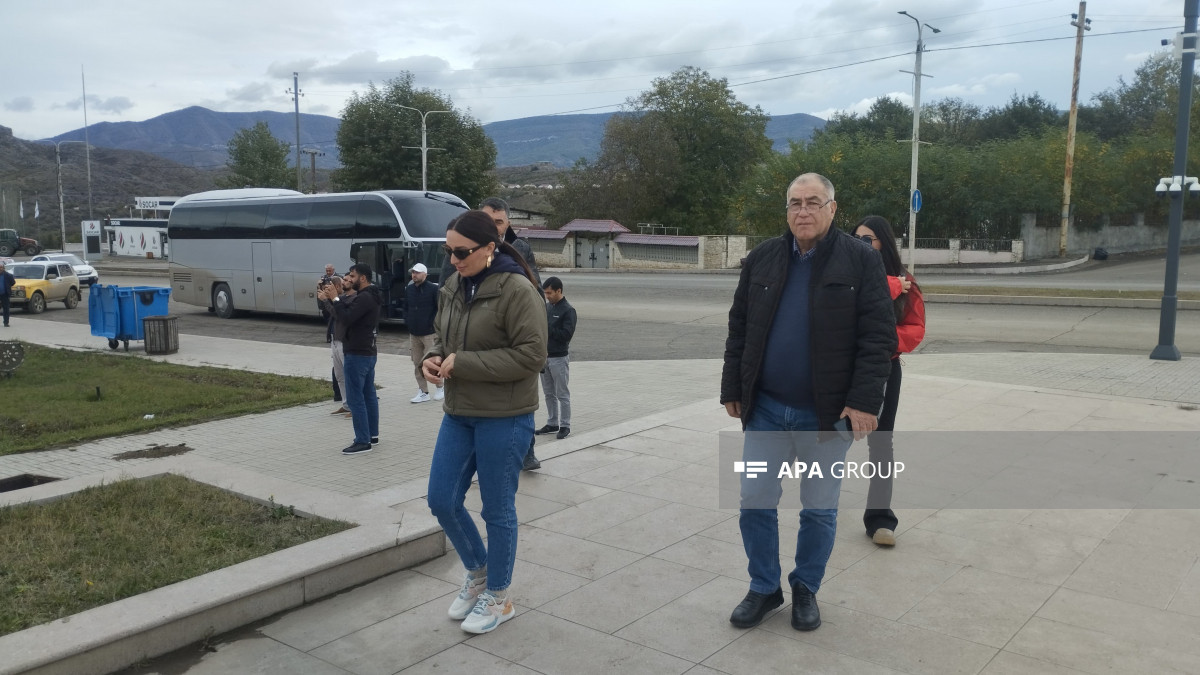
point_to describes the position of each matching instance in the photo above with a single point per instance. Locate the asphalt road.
(683, 316)
(1130, 273)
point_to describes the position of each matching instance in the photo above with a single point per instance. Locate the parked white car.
(86, 273)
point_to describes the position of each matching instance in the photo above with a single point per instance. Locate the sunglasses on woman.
(461, 253)
(867, 238)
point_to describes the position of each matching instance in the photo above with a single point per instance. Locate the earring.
(489, 260)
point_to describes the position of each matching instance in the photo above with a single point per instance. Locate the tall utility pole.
(313, 153)
(1166, 349)
(86, 143)
(296, 94)
(1081, 24)
(424, 146)
(916, 143)
(62, 216)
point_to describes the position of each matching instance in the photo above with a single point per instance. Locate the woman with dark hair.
(879, 519)
(489, 346)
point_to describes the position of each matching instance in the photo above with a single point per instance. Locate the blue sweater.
(787, 374)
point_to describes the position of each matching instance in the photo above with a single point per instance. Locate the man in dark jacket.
(560, 319)
(420, 307)
(7, 281)
(360, 316)
(811, 335)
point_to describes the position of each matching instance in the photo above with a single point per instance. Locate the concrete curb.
(926, 270)
(1115, 303)
(113, 636)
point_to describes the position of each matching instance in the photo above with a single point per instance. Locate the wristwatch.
(336, 298)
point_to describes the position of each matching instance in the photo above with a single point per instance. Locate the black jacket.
(420, 306)
(851, 319)
(360, 315)
(561, 320)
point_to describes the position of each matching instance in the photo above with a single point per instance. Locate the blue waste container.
(102, 311)
(116, 312)
(137, 303)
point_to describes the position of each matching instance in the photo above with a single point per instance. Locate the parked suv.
(39, 283)
(10, 243)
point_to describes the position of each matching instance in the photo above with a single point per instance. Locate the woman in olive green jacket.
(489, 347)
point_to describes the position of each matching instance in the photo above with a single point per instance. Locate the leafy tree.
(951, 120)
(258, 159)
(1029, 114)
(376, 138)
(887, 116)
(676, 157)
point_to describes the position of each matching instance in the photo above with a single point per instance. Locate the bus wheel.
(223, 301)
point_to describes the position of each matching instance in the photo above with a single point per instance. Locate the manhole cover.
(23, 481)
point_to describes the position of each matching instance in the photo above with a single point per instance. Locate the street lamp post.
(916, 141)
(62, 216)
(424, 146)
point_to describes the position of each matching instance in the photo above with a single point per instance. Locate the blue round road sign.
(916, 201)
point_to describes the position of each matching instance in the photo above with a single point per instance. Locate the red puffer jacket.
(910, 329)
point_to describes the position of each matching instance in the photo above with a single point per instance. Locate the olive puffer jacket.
(853, 327)
(499, 343)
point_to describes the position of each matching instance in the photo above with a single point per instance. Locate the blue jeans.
(818, 496)
(360, 396)
(493, 447)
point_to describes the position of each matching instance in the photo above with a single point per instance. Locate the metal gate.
(591, 252)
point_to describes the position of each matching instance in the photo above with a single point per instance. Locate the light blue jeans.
(776, 433)
(493, 447)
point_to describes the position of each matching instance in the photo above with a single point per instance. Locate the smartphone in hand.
(844, 429)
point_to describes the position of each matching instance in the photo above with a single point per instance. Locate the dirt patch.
(154, 452)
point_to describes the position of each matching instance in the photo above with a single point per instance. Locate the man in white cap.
(419, 309)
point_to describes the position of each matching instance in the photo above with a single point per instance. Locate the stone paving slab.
(621, 505)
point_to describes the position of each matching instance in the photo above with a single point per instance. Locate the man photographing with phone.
(811, 335)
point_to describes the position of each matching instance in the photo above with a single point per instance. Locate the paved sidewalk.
(626, 563)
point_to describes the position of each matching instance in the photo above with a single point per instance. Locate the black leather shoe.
(374, 440)
(563, 432)
(751, 610)
(805, 614)
(546, 430)
(531, 462)
(357, 449)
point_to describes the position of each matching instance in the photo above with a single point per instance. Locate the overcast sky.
(505, 60)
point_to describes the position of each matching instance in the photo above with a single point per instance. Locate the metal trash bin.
(161, 334)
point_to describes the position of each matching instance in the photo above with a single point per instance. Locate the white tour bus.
(265, 250)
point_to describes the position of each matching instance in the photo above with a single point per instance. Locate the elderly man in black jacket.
(811, 335)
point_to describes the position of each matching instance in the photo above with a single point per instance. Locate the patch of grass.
(51, 399)
(937, 289)
(118, 540)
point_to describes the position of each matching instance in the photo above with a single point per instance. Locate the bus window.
(245, 221)
(287, 220)
(375, 221)
(333, 218)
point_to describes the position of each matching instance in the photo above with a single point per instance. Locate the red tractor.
(10, 243)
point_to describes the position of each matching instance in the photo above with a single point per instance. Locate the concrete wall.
(722, 252)
(565, 257)
(617, 260)
(1042, 242)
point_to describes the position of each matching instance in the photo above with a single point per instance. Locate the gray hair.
(807, 177)
(495, 204)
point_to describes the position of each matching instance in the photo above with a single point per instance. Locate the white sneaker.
(439, 394)
(465, 601)
(489, 612)
(421, 397)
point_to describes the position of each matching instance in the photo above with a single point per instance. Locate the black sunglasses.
(867, 238)
(461, 253)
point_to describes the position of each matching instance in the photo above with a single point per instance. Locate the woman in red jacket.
(879, 519)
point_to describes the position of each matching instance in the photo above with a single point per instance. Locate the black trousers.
(879, 495)
(4, 308)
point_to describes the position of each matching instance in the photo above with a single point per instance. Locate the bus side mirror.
(354, 248)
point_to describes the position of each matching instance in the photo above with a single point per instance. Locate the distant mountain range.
(197, 137)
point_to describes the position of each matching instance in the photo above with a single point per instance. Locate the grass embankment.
(938, 289)
(51, 399)
(118, 540)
